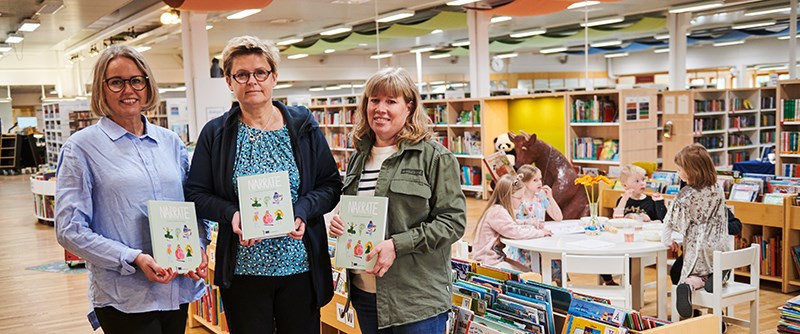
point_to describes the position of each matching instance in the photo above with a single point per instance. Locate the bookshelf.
(44, 194)
(158, 116)
(787, 135)
(57, 125)
(792, 239)
(620, 120)
(335, 115)
(331, 323)
(208, 312)
(81, 119)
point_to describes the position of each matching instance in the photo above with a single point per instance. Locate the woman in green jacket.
(408, 290)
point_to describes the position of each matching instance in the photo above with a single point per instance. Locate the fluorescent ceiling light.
(436, 31)
(14, 38)
(602, 21)
(695, 6)
(209, 27)
(242, 14)
(172, 89)
(329, 50)
(460, 2)
(346, 86)
(422, 49)
(772, 68)
(282, 86)
(763, 11)
(606, 43)
(336, 30)
(527, 33)
(729, 43)
(498, 19)
(334, 87)
(316, 89)
(463, 42)
(507, 55)
(381, 55)
(581, 4)
(457, 84)
(142, 48)
(554, 50)
(661, 36)
(5, 48)
(298, 56)
(290, 40)
(439, 56)
(661, 50)
(616, 55)
(436, 83)
(29, 25)
(787, 37)
(361, 85)
(753, 24)
(395, 15)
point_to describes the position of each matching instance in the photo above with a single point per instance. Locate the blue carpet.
(59, 267)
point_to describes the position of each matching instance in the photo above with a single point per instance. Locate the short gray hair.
(245, 45)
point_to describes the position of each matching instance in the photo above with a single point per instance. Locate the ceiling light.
(422, 49)
(170, 17)
(581, 4)
(553, 50)
(527, 33)
(695, 6)
(381, 55)
(29, 25)
(753, 24)
(394, 16)
(142, 48)
(298, 56)
(439, 56)
(436, 83)
(661, 50)
(5, 48)
(507, 55)
(763, 11)
(601, 44)
(336, 30)
(729, 43)
(346, 86)
(787, 37)
(616, 55)
(209, 27)
(282, 86)
(772, 68)
(242, 14)
(14, 38)
(316, 89)
(363, 45)
(49, 7)
(460, 2)
(602, 21)
(436, 31)
(463, 42)
(290, 40)
(498, 19)
(457, 84)
(334, 87)
(329, 50)
(661, 36)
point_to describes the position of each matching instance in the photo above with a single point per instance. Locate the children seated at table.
(634, 203)
(499, 221)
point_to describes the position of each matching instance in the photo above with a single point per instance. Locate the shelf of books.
(791, 257)
(335, 115)
(612, 127)
(208, 311)
(44, 195)
(57, 124)
(787, 151)
(81, 119)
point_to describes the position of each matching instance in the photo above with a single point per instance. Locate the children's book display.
(174, 235)
(790, 316)
(364, 220)
(499, 165)
(265, 205)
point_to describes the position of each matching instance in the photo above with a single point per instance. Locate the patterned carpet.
(59, 267)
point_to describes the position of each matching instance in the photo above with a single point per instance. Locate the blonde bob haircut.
(249, 45)
(99, 103)
(506, 186)
(697, 165)
(395, 82)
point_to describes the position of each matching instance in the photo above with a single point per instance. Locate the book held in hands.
(174, 235)
(265, 205)
(364, 220)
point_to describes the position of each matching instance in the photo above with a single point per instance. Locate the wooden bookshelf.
(787, 152)
(330, 323)
(791, 239)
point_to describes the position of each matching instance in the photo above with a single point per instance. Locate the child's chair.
(732, 292)
(593, 264)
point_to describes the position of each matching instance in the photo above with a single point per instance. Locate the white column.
(741, 76)
(678, 25)
(418, 57)
(793, 40)
(194, 40)
(478, 26)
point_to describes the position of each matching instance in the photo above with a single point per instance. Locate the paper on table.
(590, 244)
(559, 228)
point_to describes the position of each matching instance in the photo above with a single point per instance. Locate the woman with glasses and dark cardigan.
(106, 174)
(279, 283)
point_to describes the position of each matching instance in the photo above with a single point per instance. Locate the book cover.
(364, 220)
(578, 325)
(265, 205)
(600, 312)
(796, 257)
(174, 235)
(498, 165)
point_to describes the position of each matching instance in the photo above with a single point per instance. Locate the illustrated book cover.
(265, 205)
(364, 220)
(174, 235)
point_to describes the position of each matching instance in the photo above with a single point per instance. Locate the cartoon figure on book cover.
(169, 248)
(358, 250)
(368, 247)
(360, 229)
(179, 255)
(268, 220)
(255, 217)
(187, 232)
(371, 228)
(278, 214)
(277, 198)
(349, 243)
(167, 235)
(188, 250)
(255, 204)
(351, 229)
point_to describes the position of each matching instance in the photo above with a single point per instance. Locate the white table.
(604, 244)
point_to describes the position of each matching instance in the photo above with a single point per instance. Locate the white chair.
(593, 264)
(732, 292)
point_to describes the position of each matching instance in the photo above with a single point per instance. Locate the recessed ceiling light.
(762, 11)
(498, 19)
(290, 40)
(5, 48)
(394, 16)
(772, 67)
(316, 89)
(553, 50)
(381, 55)
(507, 55)
(14, 38)
(363, 45)
(527, 33)
(602, 21)
(601, 44)
(729, 43)
(329, 50)
(209, 27)
(439, 56)
(787, 37)
(142, 48)
(282, 86)
(753, 24)
(661, 50)
(336, 30)
(661, 36)
(581, 4)
(695, 6)
(297, 56)
(334, 87)
(242, 14)
(460, 2)
(29, 25)
(421, 49)
(463, 42)
(436, 31)
(616, 55)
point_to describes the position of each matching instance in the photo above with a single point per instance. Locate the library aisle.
(43, 302)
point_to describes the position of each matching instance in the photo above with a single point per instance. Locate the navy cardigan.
(210, 187)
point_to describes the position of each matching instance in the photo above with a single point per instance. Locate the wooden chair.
(593, 264)
(732, 293)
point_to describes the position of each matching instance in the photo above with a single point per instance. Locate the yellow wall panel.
(542, 116)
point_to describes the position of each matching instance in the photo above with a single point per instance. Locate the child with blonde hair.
(634, 203)
(699, 214)
(499, 221)
(536, 199)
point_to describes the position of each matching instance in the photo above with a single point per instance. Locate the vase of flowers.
(589, 184)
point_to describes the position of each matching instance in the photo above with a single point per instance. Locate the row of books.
(711, 142)
(791, 170)
(437, 113)
(209, 307)
(770, 252)
(596, 109)
(741, 104)
(748, 121)
(471, 176)
(469, 143)
(767, 120)
(767, 136)
(790, 110)
(790, 142)
(707, 124)
(340, 140)
(44, 206)
(738, 139)
(767, 102)
(789, 322)
(709, 105)
(589, 148)
(341, 117)
(470, 117)
(341, 161)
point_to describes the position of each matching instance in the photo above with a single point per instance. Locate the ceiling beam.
(149, 13)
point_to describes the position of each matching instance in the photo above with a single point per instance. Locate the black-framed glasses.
(243, 76)
(137, 82)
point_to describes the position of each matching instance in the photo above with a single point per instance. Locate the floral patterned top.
(534, 209)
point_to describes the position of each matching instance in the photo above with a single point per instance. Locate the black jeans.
(262, 304)
(114, 321)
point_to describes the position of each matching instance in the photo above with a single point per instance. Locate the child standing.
(634, 203)
(698, 213)
(499, 221)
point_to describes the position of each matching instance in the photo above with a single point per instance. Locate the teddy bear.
(504, 143)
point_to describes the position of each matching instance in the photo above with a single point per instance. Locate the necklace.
(251, 129)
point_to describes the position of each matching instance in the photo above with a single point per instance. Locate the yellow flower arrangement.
(588, 183)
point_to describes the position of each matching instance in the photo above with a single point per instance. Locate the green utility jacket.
(427, 213)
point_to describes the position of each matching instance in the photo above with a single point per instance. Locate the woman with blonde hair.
(408, 289)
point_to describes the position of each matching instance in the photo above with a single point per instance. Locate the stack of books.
(790, 316)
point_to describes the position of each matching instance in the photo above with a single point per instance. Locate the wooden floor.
(40, 302)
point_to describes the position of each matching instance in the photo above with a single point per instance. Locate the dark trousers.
(365, 304)
(264, 304)
(114, 321)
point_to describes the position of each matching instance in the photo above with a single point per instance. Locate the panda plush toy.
(503, 143)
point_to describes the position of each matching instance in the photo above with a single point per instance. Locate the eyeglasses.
(244, 76)
(116, 85)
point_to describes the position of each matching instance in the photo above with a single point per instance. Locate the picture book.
(463, 316)
(578, 325)
(601, 312)
(174, 235)
(364, 220)
(775, 198)
(744, 192)
(267, 199)
(796, 256)
(498, 165)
